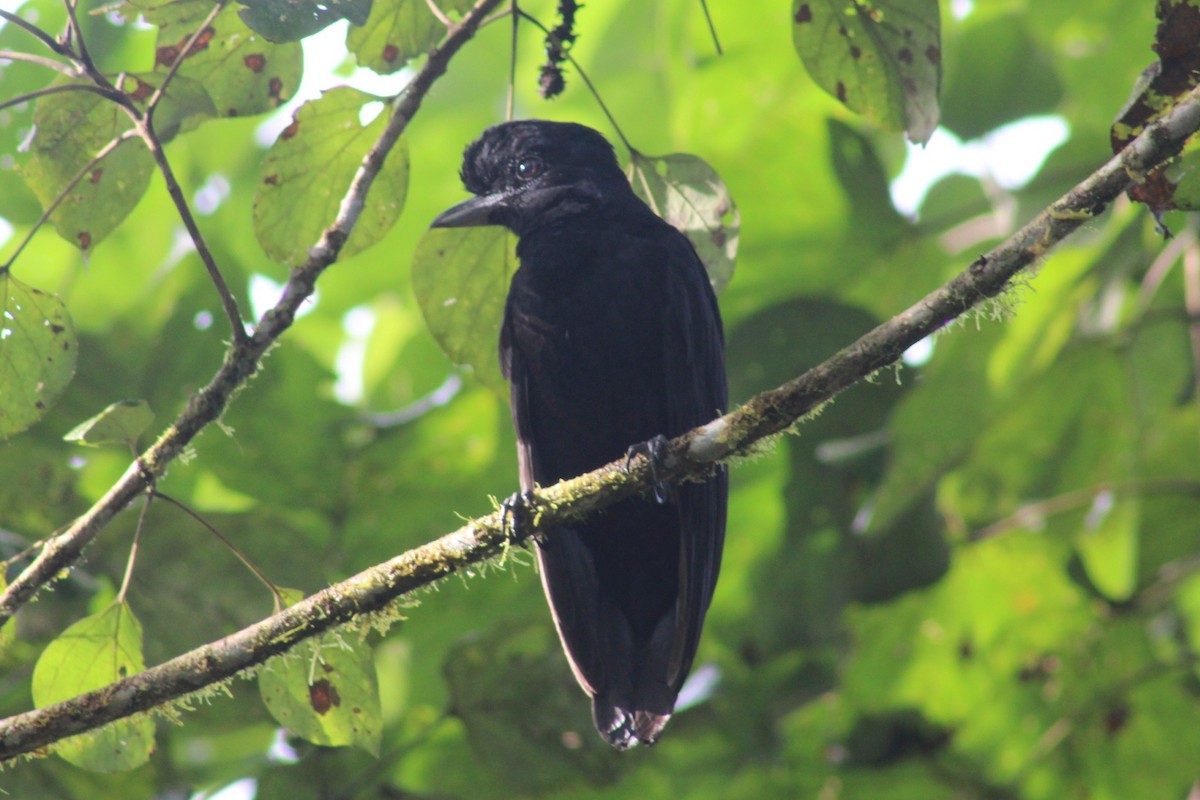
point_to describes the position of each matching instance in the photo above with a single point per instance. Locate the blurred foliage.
(977, 577)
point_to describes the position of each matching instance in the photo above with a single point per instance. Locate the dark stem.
(712, 29)
(53, 44)
(71, 87)
(258, 573)
(591, 88)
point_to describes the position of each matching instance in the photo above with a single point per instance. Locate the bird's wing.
(563, 562)
(695, 368)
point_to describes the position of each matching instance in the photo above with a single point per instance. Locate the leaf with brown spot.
(398, 31)
(339, 708)
(71, 127)
(864, 52)
(218, 61)
(37, 353)
(686, 192)
(307, 170)
(323, 695)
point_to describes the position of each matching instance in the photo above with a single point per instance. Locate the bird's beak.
(483, 210)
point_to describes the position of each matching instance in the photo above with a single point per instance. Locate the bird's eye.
(528, 168)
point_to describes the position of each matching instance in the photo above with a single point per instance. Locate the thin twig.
(144, 123)
(515, 11)
(70, 87)
(1191, 302)
(1033, 514)
(591, 87)
(712, 29)
(437, 12)
(237, 324)
(53, 44)
(57, 66)
(258, 573)
(66, 190)
(76, 31)
(691, 455)
(133, 548)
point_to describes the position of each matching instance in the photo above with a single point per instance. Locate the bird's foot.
(655, 451)
(516, 512)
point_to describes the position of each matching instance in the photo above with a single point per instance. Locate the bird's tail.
(623, 727)
(637, 708)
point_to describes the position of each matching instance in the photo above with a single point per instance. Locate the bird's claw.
(655, 451)
(516, 511)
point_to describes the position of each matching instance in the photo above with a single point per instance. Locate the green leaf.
(686, 192)
(37, 353)
(292, 20)
(72, 127)
(865, 182)
(881, 58)
(995, 56)
(1108, 545)
(398, 31)
(242, 72)
(460, 277)
(307, 170)
(512, 690)
(94, 652)
(121, 423)
(325, 691)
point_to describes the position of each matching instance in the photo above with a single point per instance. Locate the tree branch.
(242, 358)
(690, 456)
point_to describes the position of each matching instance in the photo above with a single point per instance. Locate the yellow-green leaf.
(72, 127)
(94, 652)
(460, 277)
(37, 353)
(1108, 545)
(686, 192)
(307, 170)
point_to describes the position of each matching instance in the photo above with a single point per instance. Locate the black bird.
(611, 337)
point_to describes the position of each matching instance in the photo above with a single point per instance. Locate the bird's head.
(532, 173)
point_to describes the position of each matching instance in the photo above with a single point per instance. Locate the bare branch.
(690, 455)
(57, 66)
